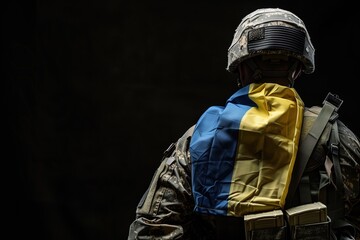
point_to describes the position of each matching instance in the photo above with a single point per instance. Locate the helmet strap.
(294, 72)
(238, 80)
(260, 75)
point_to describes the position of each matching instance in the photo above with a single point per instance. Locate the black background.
(97, 90)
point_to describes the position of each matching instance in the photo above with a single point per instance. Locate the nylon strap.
(304, 187)
(336, 211)
(308, 144)
(335, 140)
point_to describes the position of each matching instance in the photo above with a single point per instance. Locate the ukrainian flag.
(243, 153)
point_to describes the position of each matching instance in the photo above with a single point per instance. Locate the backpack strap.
(336, 210)
(331, 104)
(334, 148)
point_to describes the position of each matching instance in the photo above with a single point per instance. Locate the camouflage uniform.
(166, 209)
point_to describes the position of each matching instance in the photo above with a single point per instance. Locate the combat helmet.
(271, 31)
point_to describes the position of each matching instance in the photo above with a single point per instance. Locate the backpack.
(327, 169)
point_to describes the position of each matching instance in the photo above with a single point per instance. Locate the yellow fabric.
(267, 147)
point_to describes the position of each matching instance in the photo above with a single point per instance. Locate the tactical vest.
(328, 172)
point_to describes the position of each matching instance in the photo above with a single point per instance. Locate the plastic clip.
(334, 100)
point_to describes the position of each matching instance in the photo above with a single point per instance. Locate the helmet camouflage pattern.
(271, 31)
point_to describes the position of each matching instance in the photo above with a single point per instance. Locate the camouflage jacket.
(166, 208)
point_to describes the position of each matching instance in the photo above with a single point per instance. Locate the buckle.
(334, 148)
(334, 100)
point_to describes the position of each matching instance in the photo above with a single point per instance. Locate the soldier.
(238, 160)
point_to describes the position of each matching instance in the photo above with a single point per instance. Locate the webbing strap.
(334, 147)
(304, 187)
(336, 210)
(308, 144)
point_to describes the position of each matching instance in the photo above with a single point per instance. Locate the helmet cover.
(271, 31)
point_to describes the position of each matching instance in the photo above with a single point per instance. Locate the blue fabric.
(216, 130)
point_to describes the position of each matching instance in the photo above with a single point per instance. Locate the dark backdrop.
(99, 89)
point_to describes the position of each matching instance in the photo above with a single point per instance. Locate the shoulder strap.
(331, 104)
(336, 205)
